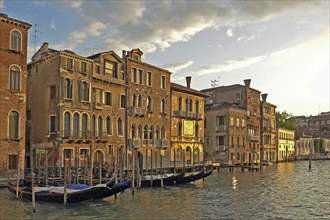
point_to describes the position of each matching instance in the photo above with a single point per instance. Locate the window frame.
(19, 46)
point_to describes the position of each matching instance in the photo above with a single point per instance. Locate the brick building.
(226, 134)
(76, 107)
(245, 98)
(148, 108)
(268, 137)
(13, 56)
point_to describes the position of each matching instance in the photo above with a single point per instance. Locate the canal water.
(280, 191)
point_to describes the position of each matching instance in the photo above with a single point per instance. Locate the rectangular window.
(220, 120)
(149, 79)
(108, 98)
(12, 162)
(134, 75)
(52, 124)
(98, 96)
(140, 77)
(110, 68)
(52, 92)
(97, 69)
(163, 82)
(28, 115)
(231, 121)
(83, 67)
(237, 122)
(110, 149)
(122, 101)
(69, 63)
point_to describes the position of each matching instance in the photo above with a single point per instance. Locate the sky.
(282, 46)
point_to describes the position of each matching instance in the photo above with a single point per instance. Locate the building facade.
(245, 98)
(302, 147)
(268, 137)
(13, 56)
(286, 143)
(226, 135)
(148, 109)
(187, 125)
(76, 108)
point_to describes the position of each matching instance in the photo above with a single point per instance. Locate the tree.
(286, 120)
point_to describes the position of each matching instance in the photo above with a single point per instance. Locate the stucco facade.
(285, 144)
(187, 127)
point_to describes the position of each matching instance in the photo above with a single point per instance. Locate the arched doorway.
(188, 155)
(196, 155)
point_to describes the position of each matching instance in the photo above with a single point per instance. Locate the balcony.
(72, 135)
(161, 143)
(254, 138)
(180, 114)
(221, 128)
(137, 111)
(220, 148)
(98, 105)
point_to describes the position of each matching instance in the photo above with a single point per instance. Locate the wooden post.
(310, 155)
(151, 168)
(77, 166)
(90, 166)
(100, 167)
(39, 171)
(161, 169)
(85, 169)
(174, 151)
(69, 175)
(133, 171)
(46, 167)
(146, 159)
(17, 183)
(65, 180)
(32, 181)
(193, 158)
(184, 161)
(156, 170)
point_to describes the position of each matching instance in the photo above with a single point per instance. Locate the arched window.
(140, 101)
(149, 104)
(134, 100)
(179, 154)
(197, 107)
(180, 104)
(163, 136)
(190, 105)
(15, 40)
(13, 125)
(75, 125)
(83, 91)
(188, 155)
(151, 132)
(100, 126)
(67, 124)
(133, 131)
(68, 88)
(108, 124)
(162, 106)
(196, 155)
(180, 129)
(120, 127)
(15, 78)
(187, 105)
(94, 126)
(145, 132)
(84, 123)
(196, 130)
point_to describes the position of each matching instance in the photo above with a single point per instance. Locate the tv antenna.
(215, 83)
(35, 36)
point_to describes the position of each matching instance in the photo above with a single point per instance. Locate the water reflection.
(283, 191)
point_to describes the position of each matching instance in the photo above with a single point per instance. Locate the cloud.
(2, 4)
(245, 38)
(91, 29)
(229, 65)
(158, 25)
(177, 67)
(229, 32)
(52, 25)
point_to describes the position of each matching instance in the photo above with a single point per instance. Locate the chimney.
(45, 47)
(188, 80)
(123, 54)
(264, 97)
(247, 82)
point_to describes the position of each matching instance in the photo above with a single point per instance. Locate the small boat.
(117, 188)
(192, 177)
(155, 181)
(75, 192)
(266, 162)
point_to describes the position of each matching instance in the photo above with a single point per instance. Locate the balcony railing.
(254, 138)
(220, 148)
(221, 128)
(137, 111)
(191, 115)
(74, 135)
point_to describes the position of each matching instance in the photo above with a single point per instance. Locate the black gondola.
(53, 194)
(117, 188)
(192, 177)
(168, 180)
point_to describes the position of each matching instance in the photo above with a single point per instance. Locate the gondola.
(192, 177)
(168, 179)
(75, 192)
(117, 188)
